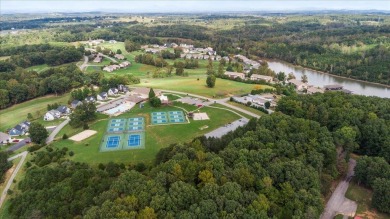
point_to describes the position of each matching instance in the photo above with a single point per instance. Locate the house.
(119, 56)
(164, 99)
(256, 77)
(20, 129)
(299, 85)
(143, 92)
(90, 99)
(313, 90)
(333, 87)
(123, 88)
(64, 110)
(112, 91)
(235, 75)
(75, 103)
(112, 41)
(102, 96)
(124, 64)
(52, 115)
(4, 138)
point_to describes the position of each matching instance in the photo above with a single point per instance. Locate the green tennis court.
(158, 118)
(176, 117)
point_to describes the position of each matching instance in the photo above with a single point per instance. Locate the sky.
(11, 6)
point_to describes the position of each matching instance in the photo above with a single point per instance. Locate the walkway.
(337, 203)
(56, 131)
(14, 173)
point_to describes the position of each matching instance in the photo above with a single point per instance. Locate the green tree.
(267, 105)
(4, 165)
(118, 51)
(304, 78)
(29, 116)
(4, 98)
(381, 195)
(210, 81)
(221, 69)
(83, 114)
(38, 133)
(151, 93)
(155, 102)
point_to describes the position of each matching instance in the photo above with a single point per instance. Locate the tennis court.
(124, 134)
(135, 124)
(159, 118)
(176, 117)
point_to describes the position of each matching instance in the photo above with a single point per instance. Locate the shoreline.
(326, 73)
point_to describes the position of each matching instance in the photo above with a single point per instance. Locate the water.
(320, 80)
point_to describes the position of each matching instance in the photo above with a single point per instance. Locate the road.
(84, 65)
(56, 130)
(219, 101)
(337, 203)
(14, 173)
(19, 144)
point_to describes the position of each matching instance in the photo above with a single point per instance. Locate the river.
(319, 79)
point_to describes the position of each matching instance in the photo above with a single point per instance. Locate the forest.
(277, 166)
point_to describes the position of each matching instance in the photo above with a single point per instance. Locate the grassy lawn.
(38, 68)
(157, 137)
(363, 197)
(223, 88)
(13, 115)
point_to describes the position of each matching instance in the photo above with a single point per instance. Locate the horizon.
(199, 6)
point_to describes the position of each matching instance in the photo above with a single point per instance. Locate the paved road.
(337, 203)
(11, 179)
(220, 101)
(56, 130)
(84, 65)
(19, 144)
(223, 130)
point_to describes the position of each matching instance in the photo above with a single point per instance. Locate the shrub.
(85, 126)
(71, 153)
(65, 136)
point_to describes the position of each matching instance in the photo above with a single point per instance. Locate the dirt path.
(337, 203)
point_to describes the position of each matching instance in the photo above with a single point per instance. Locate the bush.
(155, 102)
(71, 153)
(34, 148)
(65, 136)
(85, 126)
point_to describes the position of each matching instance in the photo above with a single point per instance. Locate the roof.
(264, 77)
(18, 128)
(62, 109)
(90, 98)
(74, 102)
(296, 82)
(3, 136)
(113, 89)
(314, 90)
(238, 74)
(103, 94)
(333, 86)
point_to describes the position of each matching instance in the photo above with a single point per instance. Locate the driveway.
(84, 65)
(19, 144)
(56, 130)
(11, 179)
(337, 203)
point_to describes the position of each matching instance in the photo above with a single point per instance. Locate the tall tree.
(38, 133)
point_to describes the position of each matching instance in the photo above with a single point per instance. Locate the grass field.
(38, 68)
(363, 198)
(247, 108)
(11, 116)
(157, 137)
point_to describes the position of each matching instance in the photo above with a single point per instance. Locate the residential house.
(52, 115)
(235, 75)
(313, 90)
(123, 88)
(119, 56)
(90, 99)
(20, 129)
(112, 41)
(64, 110)
(112, 91)
(4, 138)
(75, 103)
(102, 96)
(299, 85)
(257, 77)
(98, 58)
(143, 92)
(124, 64)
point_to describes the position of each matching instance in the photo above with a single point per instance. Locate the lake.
(319, 79)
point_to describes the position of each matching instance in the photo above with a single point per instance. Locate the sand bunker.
(83, 135)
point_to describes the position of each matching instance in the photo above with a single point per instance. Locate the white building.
(112, 91)
(52, 115)
(299, 85)
(4, 138)
(102, 96)
(235, 75)
(256, 77)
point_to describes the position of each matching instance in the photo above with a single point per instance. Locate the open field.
(37, 107)
(38, 68)
(157, 137)
(223, 88)
(363, 197)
